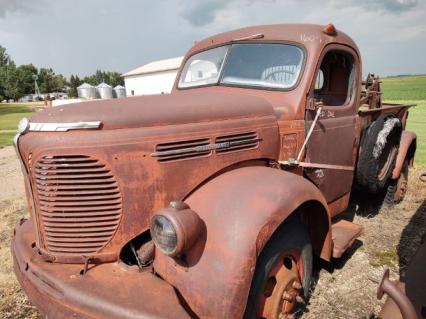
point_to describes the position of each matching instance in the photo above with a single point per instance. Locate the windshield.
(264, 65)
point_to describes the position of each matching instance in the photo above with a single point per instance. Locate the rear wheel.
(283, 273)
(379, 147)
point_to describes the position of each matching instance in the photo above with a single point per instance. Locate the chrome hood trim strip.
(62, 127)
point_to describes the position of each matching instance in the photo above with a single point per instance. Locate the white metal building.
(153, 78)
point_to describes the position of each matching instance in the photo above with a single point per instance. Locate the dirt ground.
(342, 288)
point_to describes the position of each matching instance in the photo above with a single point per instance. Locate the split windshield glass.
(260, 65)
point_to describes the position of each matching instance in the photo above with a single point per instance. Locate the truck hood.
(156, 110)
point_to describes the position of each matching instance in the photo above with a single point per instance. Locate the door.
(333, 141)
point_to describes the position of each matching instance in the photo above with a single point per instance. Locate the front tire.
(283, 273)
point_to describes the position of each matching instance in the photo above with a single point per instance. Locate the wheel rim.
(385, 164)
(283, 287)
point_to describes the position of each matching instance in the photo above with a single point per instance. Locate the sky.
(81, 36)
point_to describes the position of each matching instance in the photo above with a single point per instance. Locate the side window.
(335, 80)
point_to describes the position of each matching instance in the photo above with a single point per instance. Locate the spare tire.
(377, 154)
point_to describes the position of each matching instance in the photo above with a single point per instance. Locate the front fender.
(240, 209)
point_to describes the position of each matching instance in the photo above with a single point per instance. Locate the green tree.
(10, 79)
(115, 78)
(111, 78)
(74, 83)
(4, 57)
(26, 80)
(4, 71)
(50, 82)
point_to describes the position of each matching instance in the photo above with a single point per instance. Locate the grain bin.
(120, 91)
(86, 91)
(104, 91)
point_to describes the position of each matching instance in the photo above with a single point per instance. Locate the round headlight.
(164, 234)
(23, 125)
(175, 229)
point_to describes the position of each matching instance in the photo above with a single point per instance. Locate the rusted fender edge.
(240, 210)
(407, 149)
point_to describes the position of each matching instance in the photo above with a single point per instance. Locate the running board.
(344, 234)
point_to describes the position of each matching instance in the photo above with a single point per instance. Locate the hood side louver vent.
(238, 142)
(173, 151)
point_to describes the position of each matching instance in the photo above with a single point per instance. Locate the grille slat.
(80, 204)
(81, 229)
(79, 214)
(71, 237)
(81, 224)
(68, 165)
(79, 219)
(59, 240)
(72, 245)
(52, 175)
(63, 198)
(78, 209)
(73, 188)
(68, 170)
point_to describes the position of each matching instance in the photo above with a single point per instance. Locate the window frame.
(349, 104)
(218, 83)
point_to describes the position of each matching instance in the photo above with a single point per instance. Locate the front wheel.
(283, 273)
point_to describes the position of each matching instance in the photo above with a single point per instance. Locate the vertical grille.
(238, 142)
(79, 203)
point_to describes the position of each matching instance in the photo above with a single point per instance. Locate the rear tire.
(379, 147)
(288, 257)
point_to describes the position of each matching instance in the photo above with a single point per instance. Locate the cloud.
(70, 36)
(11, 6)
(392, 6)
(203, 12)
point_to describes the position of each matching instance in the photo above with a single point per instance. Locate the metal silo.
(120, 91)
(104, 91)
(86, 91)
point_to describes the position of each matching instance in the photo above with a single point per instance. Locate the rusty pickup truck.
(210, 201)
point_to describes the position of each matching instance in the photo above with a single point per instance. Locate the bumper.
(105, 291)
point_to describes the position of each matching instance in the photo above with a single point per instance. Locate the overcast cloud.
(78, 37)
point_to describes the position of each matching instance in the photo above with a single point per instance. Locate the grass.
(381, 258)
(10, 115)
(404, 88)
(410, 90)
(6, 138)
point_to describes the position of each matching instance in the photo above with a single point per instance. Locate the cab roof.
(311, 36)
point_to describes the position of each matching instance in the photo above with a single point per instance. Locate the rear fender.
(406, 151)
(240, 210)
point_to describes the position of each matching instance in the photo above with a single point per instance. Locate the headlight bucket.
(175, 229)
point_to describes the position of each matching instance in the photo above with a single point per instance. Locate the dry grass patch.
(13, 302)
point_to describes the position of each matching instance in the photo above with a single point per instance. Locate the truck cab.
(210, 201)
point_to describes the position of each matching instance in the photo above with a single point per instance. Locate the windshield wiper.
(251, 37)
